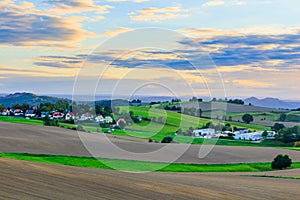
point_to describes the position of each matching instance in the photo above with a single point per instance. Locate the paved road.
(53, 140)
(26, 180)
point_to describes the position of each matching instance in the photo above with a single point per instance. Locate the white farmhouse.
(6, 112)
(108, 120)
(255, 136)
(204, 133)
(99, 119)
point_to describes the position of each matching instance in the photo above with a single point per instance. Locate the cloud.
(213, 3)
(279, 49)
(59, 61)
(252, 83)
(111, 33)
(158, 14)
(61, 7)
(8, 71)
(24, 25)
(239, 3)
(136, 1)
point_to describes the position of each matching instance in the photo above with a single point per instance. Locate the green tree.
(179, 131)
(1, 107)
(50, 122)
(167, 139)
(16, 106)
(62, 106)
(277, 127)
(25, 107)
(247, 118)
(282, 117)
(265, 133)
(281, 162)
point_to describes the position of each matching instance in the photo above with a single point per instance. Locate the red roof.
(70, 113)
(86, 114)
(57, 114)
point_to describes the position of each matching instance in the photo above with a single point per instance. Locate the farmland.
(36, 179)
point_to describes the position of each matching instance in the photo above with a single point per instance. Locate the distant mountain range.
(29, 98)
(33, 99)
(272, 103)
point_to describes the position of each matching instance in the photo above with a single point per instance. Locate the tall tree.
(247, 118)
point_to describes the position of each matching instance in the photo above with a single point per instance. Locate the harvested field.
(26, 180)
(58, 141)
(230, 107)
(283, 173)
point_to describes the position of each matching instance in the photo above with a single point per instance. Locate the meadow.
(130, 165)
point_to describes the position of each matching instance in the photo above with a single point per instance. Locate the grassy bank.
(20, 120)
(129, 165)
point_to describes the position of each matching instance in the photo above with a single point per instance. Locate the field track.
(26, 180)
(52, 140)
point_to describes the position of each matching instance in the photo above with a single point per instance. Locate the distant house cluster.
(67, 115)
(243, 134)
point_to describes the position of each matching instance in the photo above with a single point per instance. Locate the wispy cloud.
(158, 14)
(111, 33)
(136, 1)
(252, 83)
(25, 25)
(61, 7)
(214, 3)
(59, 61)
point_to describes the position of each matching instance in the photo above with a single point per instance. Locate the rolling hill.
(272, 103)
(28, 98)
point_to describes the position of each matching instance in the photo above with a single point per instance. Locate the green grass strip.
(130, 165)
(19, 120)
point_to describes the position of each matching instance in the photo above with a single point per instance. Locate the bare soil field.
(229, 107)
(26, 180)
(58, 141)
(284, 173)
(268, 123)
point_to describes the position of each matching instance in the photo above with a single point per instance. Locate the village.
(121, 122)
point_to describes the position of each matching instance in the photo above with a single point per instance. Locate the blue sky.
(253, 46)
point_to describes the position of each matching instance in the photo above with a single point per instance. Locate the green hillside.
(174, 121)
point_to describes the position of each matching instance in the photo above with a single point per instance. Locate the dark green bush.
(281, 162)
(167, 139)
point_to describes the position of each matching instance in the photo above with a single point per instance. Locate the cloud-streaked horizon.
(257, 55)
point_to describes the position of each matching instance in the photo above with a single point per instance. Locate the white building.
(99, 119)
(255, 136)
(18, 112)
(30, 113)
(85, 116)
(108, 119)
(69, 116)
(5, 112)
(204, 133)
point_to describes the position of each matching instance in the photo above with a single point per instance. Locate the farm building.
(18, 112)
(108, 119)
(58, 115)
(99, 119)
(204, 133)
(69, 116)
(255, 136)
(5, 112)
(30, 113)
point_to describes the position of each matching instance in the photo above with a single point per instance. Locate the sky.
(217, 48)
